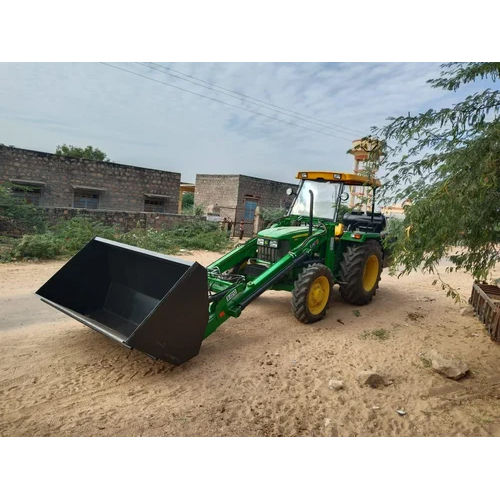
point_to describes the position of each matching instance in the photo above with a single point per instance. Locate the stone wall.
(268, 194)
(125, 220)
(225, 195)
(217, 194)
(120, 187)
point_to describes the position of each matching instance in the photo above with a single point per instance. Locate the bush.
(37, 246)
(19, 215)
(68, 237)
(73, 234)
(272, 214)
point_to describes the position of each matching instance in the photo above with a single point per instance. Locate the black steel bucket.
(143, 299)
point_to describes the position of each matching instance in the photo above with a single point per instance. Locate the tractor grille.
(268, 254)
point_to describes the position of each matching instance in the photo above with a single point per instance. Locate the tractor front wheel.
(311, 293)
(360, 272)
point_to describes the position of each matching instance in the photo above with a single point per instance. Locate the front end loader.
(166, 306)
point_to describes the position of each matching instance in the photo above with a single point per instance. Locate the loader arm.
(236, 297)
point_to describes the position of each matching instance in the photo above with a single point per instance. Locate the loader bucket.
(142, 299)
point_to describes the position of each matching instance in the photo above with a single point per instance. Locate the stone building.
(52, 181)
(236, 197)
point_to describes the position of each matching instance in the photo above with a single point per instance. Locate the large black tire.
(360, 271)
(311, 293)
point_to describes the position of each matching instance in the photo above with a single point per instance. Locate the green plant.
(74, 233)
(187, 202)
(68, 237)
(198, 210)
(425, 361)
(17, 214)
(271, 214)
(37, 246)
(379, 333)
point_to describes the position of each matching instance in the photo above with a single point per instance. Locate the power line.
(233, 93)
(223, 102)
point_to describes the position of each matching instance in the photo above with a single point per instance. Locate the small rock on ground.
(335, 385)
(448, 366)
(371, 378)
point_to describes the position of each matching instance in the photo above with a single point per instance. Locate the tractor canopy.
(340, 177)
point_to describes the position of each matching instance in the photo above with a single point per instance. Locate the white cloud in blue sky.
(145, 123)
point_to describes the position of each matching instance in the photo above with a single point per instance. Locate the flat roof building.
(236, 197)
(50, 180)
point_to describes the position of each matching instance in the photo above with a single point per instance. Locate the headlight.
(260, 241)
(273, 243)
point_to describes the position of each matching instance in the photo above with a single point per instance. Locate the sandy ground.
(263, 374)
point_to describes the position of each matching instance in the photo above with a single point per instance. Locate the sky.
(152, 116)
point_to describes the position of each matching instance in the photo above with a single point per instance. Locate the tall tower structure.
(367, 153)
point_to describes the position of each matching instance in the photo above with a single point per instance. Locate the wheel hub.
(318, 295)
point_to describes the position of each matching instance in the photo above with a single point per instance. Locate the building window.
(154, 205)
(86, 199)
(28, 193)
(250, 207)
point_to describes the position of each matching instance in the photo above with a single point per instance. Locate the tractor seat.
(360, 221)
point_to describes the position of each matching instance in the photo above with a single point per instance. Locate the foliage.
(187, 201)
(271, 214)
(74, 233)
(343, 209)
(87, 153)
(68, 237)
(192, 236)
(19, 214)
(200, 235)
(198, 210)
(395, 232)
(379, 334)
(37, 246)
(447, 163)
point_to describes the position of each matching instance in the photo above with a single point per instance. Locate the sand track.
(263, 374)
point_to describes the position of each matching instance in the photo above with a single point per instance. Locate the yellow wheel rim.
(370, 273)
(318, 295)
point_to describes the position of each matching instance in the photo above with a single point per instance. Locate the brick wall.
(125, 220)
(123, 186)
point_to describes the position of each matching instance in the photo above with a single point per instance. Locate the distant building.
(395, 211)
(58, 181)
(236, 197)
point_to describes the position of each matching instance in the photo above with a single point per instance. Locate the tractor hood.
(284, 232)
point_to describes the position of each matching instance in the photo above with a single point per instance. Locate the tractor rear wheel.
(360, 272)
(311, 293)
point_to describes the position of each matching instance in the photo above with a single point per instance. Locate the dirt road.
(263, 374)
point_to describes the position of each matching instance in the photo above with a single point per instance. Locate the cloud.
(142, 122)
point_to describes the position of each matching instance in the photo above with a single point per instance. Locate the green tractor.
(166, 306)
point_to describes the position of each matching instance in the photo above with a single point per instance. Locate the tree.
(447, 163)
(88, 153)
(269, 215)
(187, 202)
